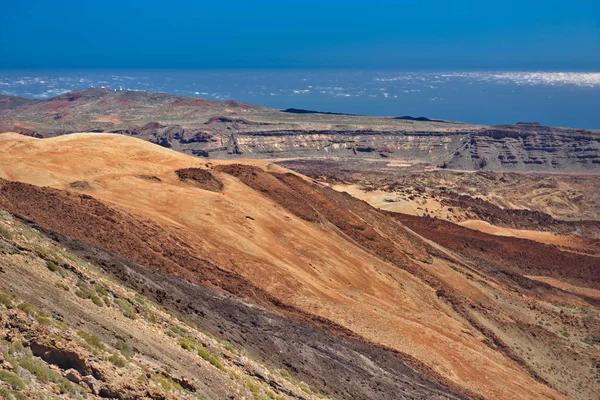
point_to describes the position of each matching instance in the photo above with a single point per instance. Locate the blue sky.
(375, 34)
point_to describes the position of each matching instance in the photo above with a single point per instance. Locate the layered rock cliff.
(231, 129)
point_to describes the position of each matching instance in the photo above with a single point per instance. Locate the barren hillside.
(308, 280)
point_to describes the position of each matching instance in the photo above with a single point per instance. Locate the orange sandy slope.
(304, 264)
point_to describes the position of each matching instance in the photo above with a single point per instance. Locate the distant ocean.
(552, 98)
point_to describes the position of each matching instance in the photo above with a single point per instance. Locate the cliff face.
(230, 129)
(529, 146)
(398, 145)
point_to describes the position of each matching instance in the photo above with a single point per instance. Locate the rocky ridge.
(231, 129)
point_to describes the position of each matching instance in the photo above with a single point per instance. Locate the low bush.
(27, 308)
(97, 301)
(166, 383)
(186, 344)
(101, 290)
(5, 233)
(202, 352)
(39, 369)
(5, 301)
(92, 340)
(84, 290)
(52, 266)
(125, 349)
(117, 360)
(62, 286)
(126, 308)
(12, 379)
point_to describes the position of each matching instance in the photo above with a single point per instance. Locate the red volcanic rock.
(195, 103)
(237, 104)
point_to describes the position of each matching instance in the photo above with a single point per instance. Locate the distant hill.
(230, 129)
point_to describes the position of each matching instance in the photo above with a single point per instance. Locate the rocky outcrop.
(230, 129)
(200, 178)
(528, 146)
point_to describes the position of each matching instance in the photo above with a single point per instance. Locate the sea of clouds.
(336, 84)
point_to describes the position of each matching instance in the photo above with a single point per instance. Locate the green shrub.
(179, 330)
(5, 394)
(15, 347)
(125, 349)
(170, 333)
(27, 308)
(101, 290)
(44, 320)
(5, 233)
(97, 301)
(52, 266)
(202, 352)
(166, 383)
(62, 286)
(254, 389)
(39, 368)
(126, 308)
(5, 300)
(92, 340)
(304, 387)
(140, 299)
(117, 360)
(186, 344)
(84, 290)
(66, 387)
(149, 316)
(12, 379)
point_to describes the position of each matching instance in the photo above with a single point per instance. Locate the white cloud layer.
(583, 79)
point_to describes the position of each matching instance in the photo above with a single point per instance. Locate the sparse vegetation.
(126, 307)
(186, 344)
(39, 369)
(84, 290)
(179, 330)
(97, 301)
(166, 383)
(27, 308)
(92, 340)
(62, 286)
(204, 353)
(12, 379)
(125, 349)
(5, 233)
(5, 300)
(118, 360)
(52, 266)
(304, 387)
(140, 299)
(101, 290)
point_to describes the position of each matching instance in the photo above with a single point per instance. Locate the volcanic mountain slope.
(307, 279)
(87, 336)
(232, 129)
(555, 208)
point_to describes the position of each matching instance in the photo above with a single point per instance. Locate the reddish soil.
(200, 178)
(90, 222)
(514, 255)
(317, 204)
(310, 353)
(287, 244)
(195, 103)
